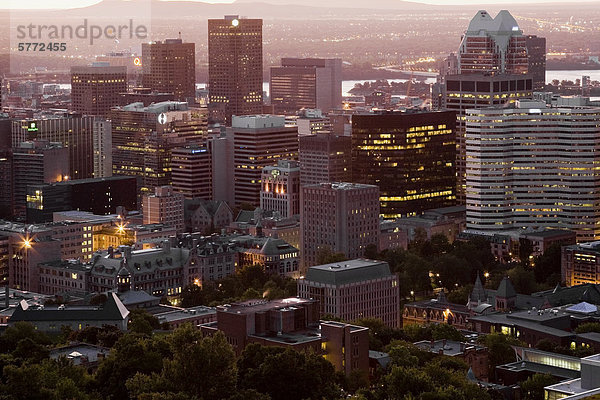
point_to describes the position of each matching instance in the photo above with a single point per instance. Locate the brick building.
(292, 323)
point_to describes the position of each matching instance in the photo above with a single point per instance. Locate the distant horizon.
(65, 4)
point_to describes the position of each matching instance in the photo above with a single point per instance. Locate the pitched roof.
(506, 289)
(478, 292)
(583, 307)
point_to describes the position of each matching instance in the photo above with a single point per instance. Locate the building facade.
(165, 207)
(580, 264)
(493, 45)
(341, 217)
(235, 66)
(73, 131)
(293, 323)
(259, 141)
(102, 148)
(170, 67)
(191, 172)
(325, 158)
(465, 91)
(95, 89)
(354, 289)
(536, 55)
(409, 156)
(144, 137)
(100, 196)
(36, 163)
(524, 168)
(306, 83)
(280, 190)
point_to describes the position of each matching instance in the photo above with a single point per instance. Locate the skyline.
(65, 4)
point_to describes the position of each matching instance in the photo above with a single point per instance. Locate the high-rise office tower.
(102, 148)
(493, 45)
(235, 66)
(281, 188)
(325, 158)
(95, 89)
(164, 207)
(191, 172)
(259, 141)
(220, 147)
(534, 166)
(5, 171)
(35, 163)
(340, 217)
(409, 155)
(536, 55)
(143, 138)
(306, 83)
(492, 59)
(465, 91)
(170, 67)
(73, 131)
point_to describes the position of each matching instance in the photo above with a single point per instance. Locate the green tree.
(499, 350)
(525, 250)
(371, 252)
(454, 272)
(533, 387)
(522, 279)
(460, 295)
(285, 374)
(414, 275)
(20, 331)
(547, 267)
(141, 321)
(445, 331)
(588, 327)
(204, 367)
(131, 354)
(402, 381)
(326, 256)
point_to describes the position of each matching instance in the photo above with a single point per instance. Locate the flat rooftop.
(183, 314)
(254, 306)
(347, 272)
(538, 368)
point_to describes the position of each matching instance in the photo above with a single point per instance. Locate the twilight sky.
(14, 4)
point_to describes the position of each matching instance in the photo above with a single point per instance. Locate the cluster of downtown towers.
(491, 140)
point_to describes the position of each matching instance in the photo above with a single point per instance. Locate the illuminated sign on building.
(32, 127)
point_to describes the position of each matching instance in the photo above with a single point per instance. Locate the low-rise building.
(194, 315)
(531, 361)
(293, 323)
(506, 245)
(62, 278)
(474, 355)
(52, 318)
(207, 216)
(275, 255)
(354, 289)
(588, 386)
(447, 221)
(158, 271)
(81, 354)
(580, 264)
